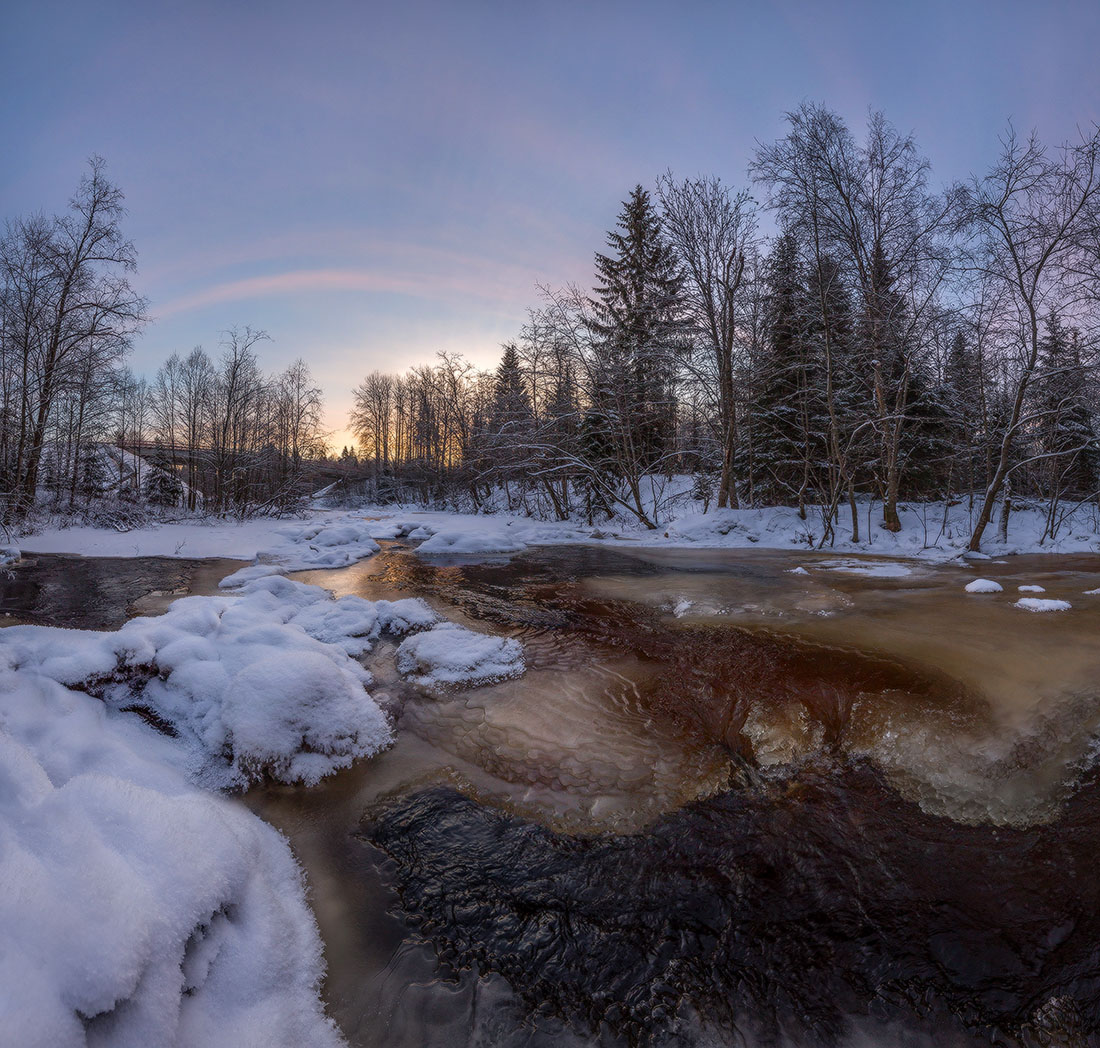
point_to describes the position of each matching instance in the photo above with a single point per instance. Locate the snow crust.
(451, 654)
(984, 586)
(1039, 604)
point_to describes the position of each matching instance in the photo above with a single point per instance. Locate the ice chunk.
(1038, 604)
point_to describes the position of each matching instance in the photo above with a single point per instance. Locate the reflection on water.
(100, 593)
(728, 803)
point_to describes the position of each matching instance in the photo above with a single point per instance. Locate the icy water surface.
(728, 804)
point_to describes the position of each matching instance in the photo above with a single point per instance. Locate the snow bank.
(138, 910)
(984, 586)
(1039, 604)
(450, 654)
(327, 540)
(260, 683)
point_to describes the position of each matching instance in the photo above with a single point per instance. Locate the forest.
(886, 341)
(836, 332)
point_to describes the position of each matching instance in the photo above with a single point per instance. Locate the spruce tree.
(641, 332)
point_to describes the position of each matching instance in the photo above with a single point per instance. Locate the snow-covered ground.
(141, 906)
(333, 538)
(929, 532)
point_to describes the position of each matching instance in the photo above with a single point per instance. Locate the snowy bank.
(327, 539)
(138, 910)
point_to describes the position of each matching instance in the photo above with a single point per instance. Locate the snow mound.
(472, 541)
(797, 571)
(1092, 593)
(258, 683)
(451, 654)
(984, 586)
(1031, 589)
(325, 544)
(138, 910)
(1038, 604)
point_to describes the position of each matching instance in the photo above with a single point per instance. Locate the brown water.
(727, 804)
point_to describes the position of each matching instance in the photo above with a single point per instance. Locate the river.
(738, 798)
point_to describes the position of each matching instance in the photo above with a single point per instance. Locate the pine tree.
(641, 331)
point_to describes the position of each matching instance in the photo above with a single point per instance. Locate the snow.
(797, 571)
(880, 569)
(451, 654)
(333, 538)
(467, 541)
(9, 555)
(1038, 604)
(326, 540)
(682, 607)
(984, 586)
(1031, 589)
(1092, 593)
(138, 910)
(259, 683)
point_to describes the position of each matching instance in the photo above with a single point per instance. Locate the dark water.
(727, 805)
(100, 593)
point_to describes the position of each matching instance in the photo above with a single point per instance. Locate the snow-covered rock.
(984, 586)
(1039, 604)
(257, 683)
(1031, 589)
(451, 654)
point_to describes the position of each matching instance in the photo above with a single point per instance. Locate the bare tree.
(713, 231)
(1038, 222)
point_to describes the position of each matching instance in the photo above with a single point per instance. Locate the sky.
(371, 183)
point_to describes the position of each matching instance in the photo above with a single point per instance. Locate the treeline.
(218, 433)
(890, 342)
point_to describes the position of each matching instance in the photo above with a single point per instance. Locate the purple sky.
(373, 182)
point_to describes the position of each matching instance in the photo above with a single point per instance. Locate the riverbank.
(933, 531)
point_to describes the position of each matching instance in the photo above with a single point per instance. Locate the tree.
(1037, 219)
(162, 486)
(712, 231)
(67, 299)
(639, 333)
